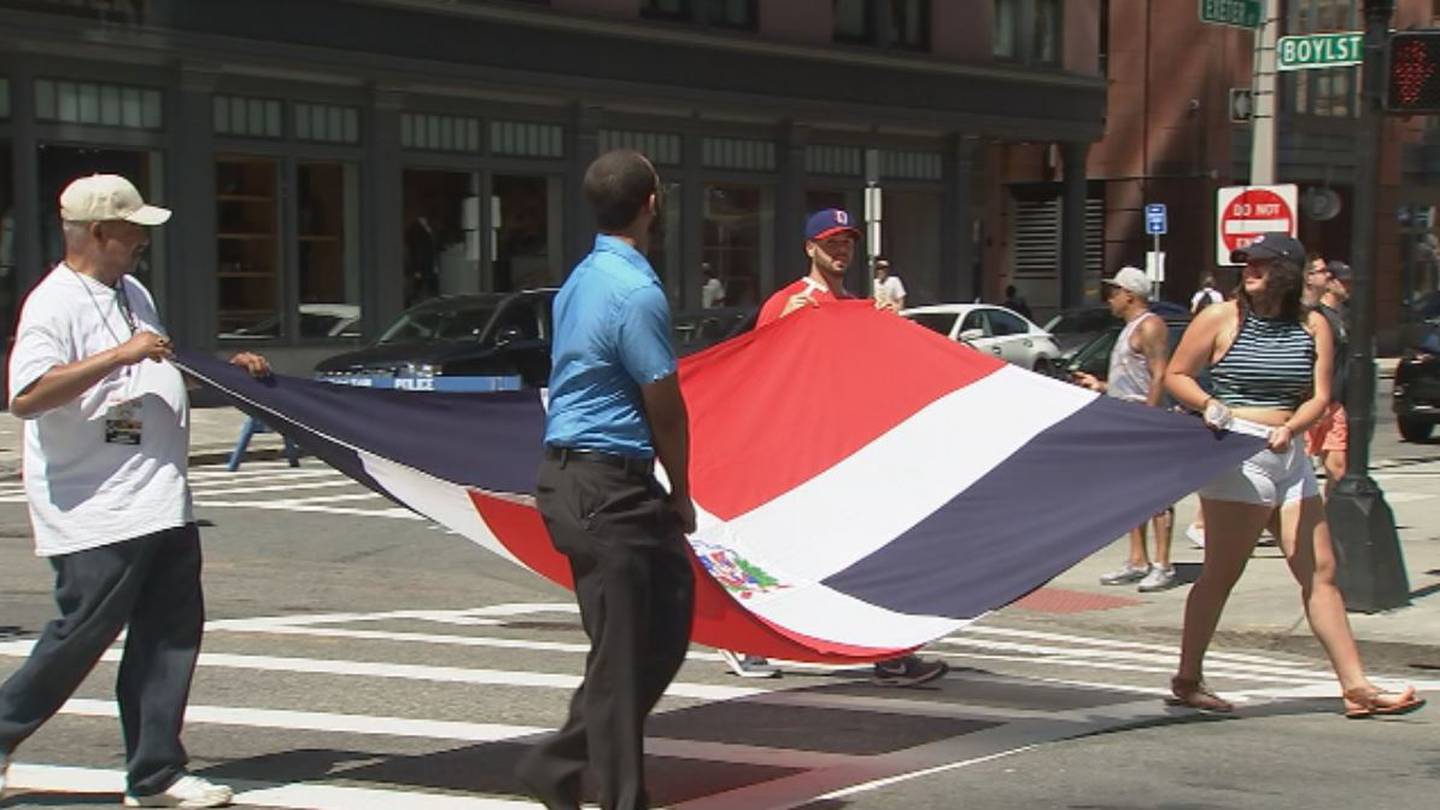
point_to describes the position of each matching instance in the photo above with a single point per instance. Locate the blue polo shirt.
(612, 335)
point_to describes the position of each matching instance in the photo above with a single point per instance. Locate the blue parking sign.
(1155, 220)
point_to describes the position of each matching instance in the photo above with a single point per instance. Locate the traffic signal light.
(1414, 87)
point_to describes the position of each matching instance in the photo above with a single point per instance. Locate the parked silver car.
(993, 330)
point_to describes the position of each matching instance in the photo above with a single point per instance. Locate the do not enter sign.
(1245, 212)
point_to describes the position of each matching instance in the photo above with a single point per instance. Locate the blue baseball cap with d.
(827, 223)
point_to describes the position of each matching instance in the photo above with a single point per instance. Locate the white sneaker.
(188, 791)
(1126, 575)
(748, 666)
(1159, 579)
(1196, 533)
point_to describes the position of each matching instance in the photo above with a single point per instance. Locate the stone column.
(957, 245)
(382, 294)
(1072, 224)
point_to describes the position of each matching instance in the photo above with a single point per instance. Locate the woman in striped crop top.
(1269, 362)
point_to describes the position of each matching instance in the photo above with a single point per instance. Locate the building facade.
(331, 161)
(1170, 138)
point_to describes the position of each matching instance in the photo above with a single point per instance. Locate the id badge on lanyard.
(124, 420)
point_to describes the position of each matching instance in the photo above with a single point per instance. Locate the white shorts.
(1266, 478)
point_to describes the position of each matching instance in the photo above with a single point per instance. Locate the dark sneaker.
(909, 670)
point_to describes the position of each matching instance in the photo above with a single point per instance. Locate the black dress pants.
(636, 592)
(152, 585)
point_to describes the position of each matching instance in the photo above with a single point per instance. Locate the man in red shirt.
(830, 242)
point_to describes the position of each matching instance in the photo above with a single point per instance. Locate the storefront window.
(525, 248)
(1003, 34)
(1047, 31)
(58, 165)
(664, 254)
(327, 252)
(247, 220)
(738, 233)
(441, 226)
(911, 236)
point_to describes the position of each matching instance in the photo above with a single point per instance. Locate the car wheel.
(1044, 366)
(1414, 430)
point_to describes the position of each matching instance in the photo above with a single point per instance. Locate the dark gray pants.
(152, 585)
(636, 592)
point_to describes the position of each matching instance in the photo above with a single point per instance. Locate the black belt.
(631, 464)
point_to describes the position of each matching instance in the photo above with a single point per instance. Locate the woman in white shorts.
(1270, 363)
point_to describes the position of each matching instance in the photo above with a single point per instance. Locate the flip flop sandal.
(1196, 695)
(1360, 703)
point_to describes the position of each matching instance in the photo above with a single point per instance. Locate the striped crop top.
(1271, 364)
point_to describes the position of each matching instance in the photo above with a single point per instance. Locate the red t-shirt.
(775, 304)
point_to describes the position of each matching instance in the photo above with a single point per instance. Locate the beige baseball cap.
(108, 197)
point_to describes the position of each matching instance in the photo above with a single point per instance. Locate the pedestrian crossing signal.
(1414, 82)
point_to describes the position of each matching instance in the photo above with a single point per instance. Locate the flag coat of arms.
(863, 486)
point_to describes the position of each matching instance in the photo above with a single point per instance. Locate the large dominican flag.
(864, 485)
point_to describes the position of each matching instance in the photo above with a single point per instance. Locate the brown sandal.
(1364, 701)
(1196, 695)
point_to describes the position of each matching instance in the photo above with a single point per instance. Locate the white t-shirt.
(1204, 293)
(712, 294)
(85, 492)
(890, 290)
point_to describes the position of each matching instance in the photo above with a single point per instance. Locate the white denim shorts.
(1266, 478)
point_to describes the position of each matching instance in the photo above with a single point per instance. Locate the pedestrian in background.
(712, 292)
(615, 405)
(1329, 440)
(1015, 303)
(1270, 365)
(1205, 296)
(1137, 374)
(107, 435)
(889, 289)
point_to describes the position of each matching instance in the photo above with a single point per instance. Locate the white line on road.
(287, 506)
(456, 731)
(63, 779)
(213, 492)
(414, 672)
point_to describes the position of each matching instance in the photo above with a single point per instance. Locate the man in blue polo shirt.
(615, 406)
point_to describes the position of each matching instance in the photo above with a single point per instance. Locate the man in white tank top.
(1137, 372)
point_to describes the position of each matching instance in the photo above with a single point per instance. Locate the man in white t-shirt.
(889, 290)
(106, 442)
(712, 293)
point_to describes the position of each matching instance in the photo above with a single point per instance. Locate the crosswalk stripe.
(286, 487)
(395, 513)
(415, 672)
(66, 779)
(1168, 658)
(455, 731)
(1119, 644)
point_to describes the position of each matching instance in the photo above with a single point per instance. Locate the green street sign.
(1239, 13)
(1311, 51)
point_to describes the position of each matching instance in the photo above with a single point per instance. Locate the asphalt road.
(358, 657)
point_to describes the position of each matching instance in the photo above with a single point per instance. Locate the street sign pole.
(1262, 125)
(1370, 568)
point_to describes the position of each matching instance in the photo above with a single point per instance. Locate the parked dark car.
(1073, 328)
(1094, 357)
(1416, 399)
(489, 341)
(697, 329)
(456, 342)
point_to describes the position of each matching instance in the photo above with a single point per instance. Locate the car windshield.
(1090, 320)
(934, 321)
(439, 323)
